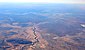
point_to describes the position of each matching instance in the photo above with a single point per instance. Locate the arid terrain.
(42, 27)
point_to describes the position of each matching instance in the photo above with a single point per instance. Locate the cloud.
(83, 25)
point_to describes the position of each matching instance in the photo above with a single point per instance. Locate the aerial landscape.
(42, 26)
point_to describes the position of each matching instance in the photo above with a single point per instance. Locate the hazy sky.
(49, 1)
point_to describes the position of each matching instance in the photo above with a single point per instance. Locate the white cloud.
(55, 37)
(83, 25)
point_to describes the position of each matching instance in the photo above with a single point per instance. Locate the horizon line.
(41, 2)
